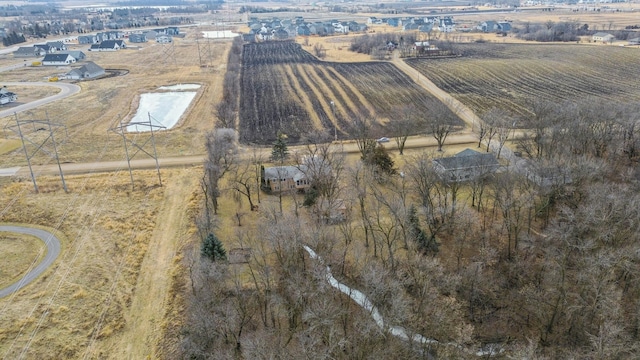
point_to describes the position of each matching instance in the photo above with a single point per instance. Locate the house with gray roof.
(77, 54)
(603, 37)
(87, 39)
(7, 96)
(137, 38)
(48, 48)
(90, 70)
(58, 59)
(634, 41)
(109, 45)
(284, 178)
(57, 45)
(164, 39)
(465, 165)
(29, 51)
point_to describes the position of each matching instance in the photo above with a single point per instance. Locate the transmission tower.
(137, 146)
(27, 136)
(205, 51)
(169, 52)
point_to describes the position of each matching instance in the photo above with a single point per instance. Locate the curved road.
(66, 90)
(53, 250)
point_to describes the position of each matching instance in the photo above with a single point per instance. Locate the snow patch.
(219, 34)
(164, 109)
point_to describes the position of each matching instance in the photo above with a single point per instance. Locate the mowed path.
(141, 336)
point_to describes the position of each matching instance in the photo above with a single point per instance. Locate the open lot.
(103, 103)
(509, 76)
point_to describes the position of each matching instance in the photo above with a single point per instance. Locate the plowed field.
(285, 88)
(509, 76)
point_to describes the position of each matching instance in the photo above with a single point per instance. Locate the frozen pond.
(165, 109)
(180, 87)
(219, 34)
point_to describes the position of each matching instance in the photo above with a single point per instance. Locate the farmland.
(285, 88)
(510, 76)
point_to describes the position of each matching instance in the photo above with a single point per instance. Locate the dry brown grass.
(19, 252)
(9, 145)
(103, 103)
(108, 230)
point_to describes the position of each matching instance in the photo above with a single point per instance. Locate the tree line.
(538, 258)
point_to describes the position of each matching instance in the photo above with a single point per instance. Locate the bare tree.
(226, 115)
(221, 146)
(441, 121)
(404, 122)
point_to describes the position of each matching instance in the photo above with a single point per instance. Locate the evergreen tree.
(280, 151)
(379, 157)
(213, 249)
(425, 243)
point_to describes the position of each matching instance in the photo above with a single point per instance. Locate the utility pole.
(120, 130)
(39, 144)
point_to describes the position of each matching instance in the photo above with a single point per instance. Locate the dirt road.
(468, 116)
(348, 147)
(141, 336)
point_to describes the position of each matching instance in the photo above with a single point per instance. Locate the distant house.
(29, 51)
(109, 45)
(57, 45)
(87, 39)
(487, 26)
(283, 178)
(47, 48)
(137, 38)
(7, 96)
(446, 24)
(78, 55)
(89, 70)
(634, 41)
(503, 26)
(603, 37)
(58, 59)
(465, 165)
(164, 39)
(150, 35)
(173, 30)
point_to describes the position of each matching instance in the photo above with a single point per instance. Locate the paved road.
(53, 250)
(66, 90)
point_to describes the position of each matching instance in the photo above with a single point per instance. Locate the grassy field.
(19, 252)
(103, 103)
(509, 76)
(92, 301)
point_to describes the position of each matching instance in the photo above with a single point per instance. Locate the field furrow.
(303, 96)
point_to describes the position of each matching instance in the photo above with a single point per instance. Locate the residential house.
(78, 55)
(137, 38)
(109, 45)
(57, 45)
(87, 39)
(58, 59)
(634, 41)
(446, 24)
(90, 70)
(280, 34)
(7, 96)
(487, 26)
(603, 37)
(284, 178)
(503, 26)
(29, 51)
(150, 35)
(47, 48)
(164, 39)
(173, 31)
(465, 165)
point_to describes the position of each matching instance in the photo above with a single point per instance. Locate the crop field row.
(510, 76)
(284, 88)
